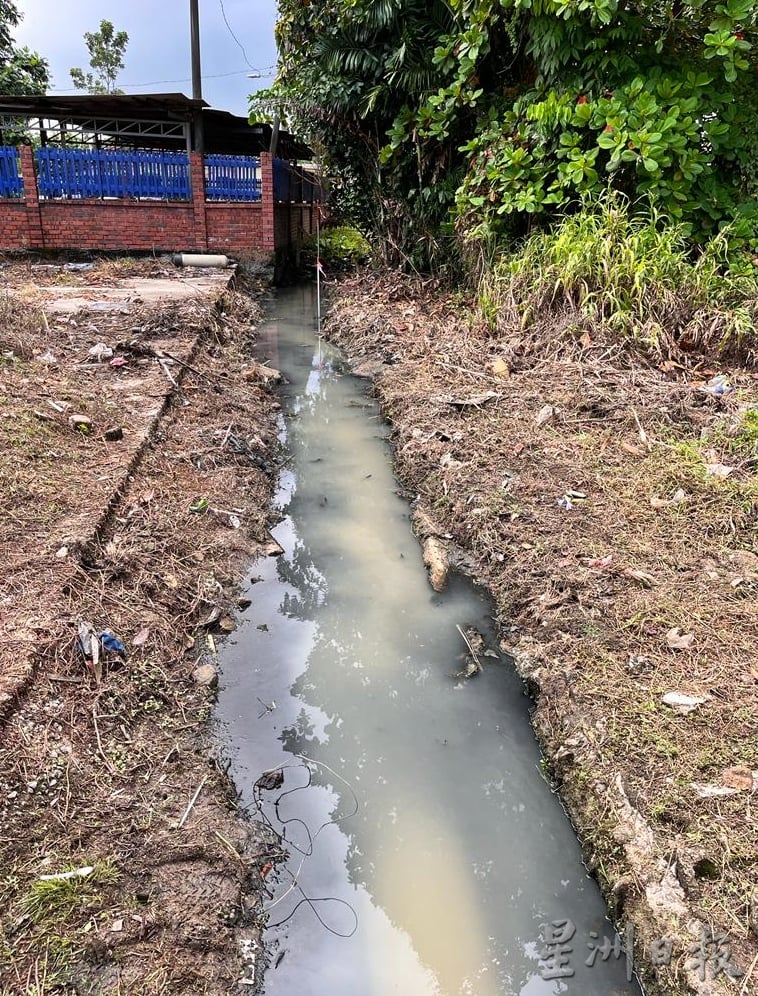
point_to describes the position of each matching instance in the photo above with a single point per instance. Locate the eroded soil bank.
(610, 505)
(136, 478)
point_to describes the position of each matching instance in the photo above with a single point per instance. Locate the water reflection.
(458, 851)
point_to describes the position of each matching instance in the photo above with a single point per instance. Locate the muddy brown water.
(428, 854)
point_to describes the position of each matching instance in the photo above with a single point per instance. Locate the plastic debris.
(82, 872)
(268, 781)
(93, 645)
(566, 502)
(718, 470)
(87, 640)
(111, 644)
(682, 703)
(712, 791)
(719, 386)
(99, 352)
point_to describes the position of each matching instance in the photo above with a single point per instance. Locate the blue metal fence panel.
(295, 185)
(11, 182)
(281, 180)
(78, 173)
(232, 178)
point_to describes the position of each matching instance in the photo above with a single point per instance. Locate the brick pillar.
(35, 232)
(197, 183)
(268, 237)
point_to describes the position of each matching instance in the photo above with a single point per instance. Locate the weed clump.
(52, 898)
(628, 274)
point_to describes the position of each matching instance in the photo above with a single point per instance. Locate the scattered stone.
(80, 423)
(544, 415)
(740, 778)
(205, 675)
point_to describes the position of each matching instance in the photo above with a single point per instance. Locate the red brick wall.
(14, 229)
(235, 227)
(115, 225)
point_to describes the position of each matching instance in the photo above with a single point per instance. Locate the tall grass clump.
(631, 273)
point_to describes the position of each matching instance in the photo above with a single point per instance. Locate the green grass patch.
(51, 900)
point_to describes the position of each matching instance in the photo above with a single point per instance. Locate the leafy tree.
(21, 70)
(345, 70)
(513, 112)
(106, 48)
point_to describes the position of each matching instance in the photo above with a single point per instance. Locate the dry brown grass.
(593, 591)
(102, 773)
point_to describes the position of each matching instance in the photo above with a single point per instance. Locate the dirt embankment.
(135, 459)
(611, 505)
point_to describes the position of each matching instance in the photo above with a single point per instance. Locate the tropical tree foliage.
(513, 112)
(21, 70)
(106, 48)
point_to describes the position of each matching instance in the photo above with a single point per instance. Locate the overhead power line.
(229, 29)
(186, 79)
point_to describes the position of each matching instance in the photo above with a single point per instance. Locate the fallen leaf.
(266, 868)
(642, 576)
(678, 640)
(586, 340)
(501, 369)
(117, 926)
(544, 415)
(682, 703)
(677, 498)
(141, 637)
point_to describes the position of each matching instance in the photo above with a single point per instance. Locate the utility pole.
(197, 80)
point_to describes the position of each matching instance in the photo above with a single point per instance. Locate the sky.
(159, 44)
